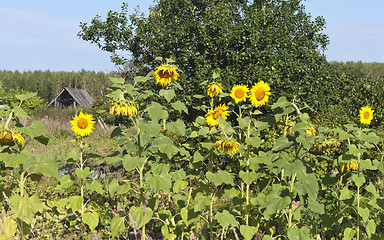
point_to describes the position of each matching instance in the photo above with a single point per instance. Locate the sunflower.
(354, 166)
(259, 94)
(214, 90)
(239, 93)
(366, 115)
(212, 115)
(311, 131)
(127, 109)
(8, 136)
(82, 124)
(165, 74)
(227, 146)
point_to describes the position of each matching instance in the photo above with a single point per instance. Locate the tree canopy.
(244, 41)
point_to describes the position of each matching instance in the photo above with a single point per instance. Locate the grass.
(62, 139)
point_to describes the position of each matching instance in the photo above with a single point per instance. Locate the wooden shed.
(71, 97)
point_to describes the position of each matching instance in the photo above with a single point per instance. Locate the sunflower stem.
(8, 119)
(290, 205)
(358, 194)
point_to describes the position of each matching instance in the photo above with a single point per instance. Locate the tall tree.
(246, 41)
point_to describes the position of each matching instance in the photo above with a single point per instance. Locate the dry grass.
(62, 140)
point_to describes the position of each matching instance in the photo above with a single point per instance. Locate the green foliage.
(363, 84)
(283, 180)
(48, 84)
(235, 41)
(30, 101)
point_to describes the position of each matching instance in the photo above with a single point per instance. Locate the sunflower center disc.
(216, 115)
(82, 123)
(366, 115)
(260, 94)
(8, 137)
(165, 74)
(239, 93)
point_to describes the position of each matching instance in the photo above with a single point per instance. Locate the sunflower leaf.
(25, 96)
(157, 112)
(167, 94)
(179, 106)
(36, 129)
(20, 113)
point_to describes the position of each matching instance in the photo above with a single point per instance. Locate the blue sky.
(42, 34)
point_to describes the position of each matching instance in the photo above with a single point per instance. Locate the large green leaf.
(117, 80)
(281, 144)
(36, 129)
(150, 128)
(157, 112)
(130, 163)
(8, 228)
(179, 106)
(188, 216)
(20, 113)
(359, 180)
(82, 173)
(345, 194)
(302, 233)
(91, 219)
(225, 219)
(14, 160)
(117, 225)
(48, 169)
(248, 232)
(25, 96)
(140, 79)
(65, 182)
(25, 208)
(371, 227)
(177, 127)
(75, 202)
(364, 213)
(277, 200)
(95, 186)
(166, 145)
(220, 177)
(140, 217)
(248, 177)
(168, 94)
(349, 233)
(201, 201)
(160, 182)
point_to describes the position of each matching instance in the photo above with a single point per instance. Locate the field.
(248, 165)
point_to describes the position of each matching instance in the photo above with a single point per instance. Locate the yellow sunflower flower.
(354, 166)
(259, 94)
(239, 93)
(128, 109)
(311, 131)
(165, 74)
(214, 90)
(8, 136)
(212, 115)
(366, 115)
(82, 124)
(227, 146)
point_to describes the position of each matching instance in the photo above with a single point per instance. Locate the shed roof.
(69, 95)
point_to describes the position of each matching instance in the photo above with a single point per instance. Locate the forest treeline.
(48, 84)
(356, 70)
(363, 83)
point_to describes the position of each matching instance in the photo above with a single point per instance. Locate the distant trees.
(47, 84)
(363, 85)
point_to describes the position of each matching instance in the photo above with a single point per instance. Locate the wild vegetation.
(260, 139)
